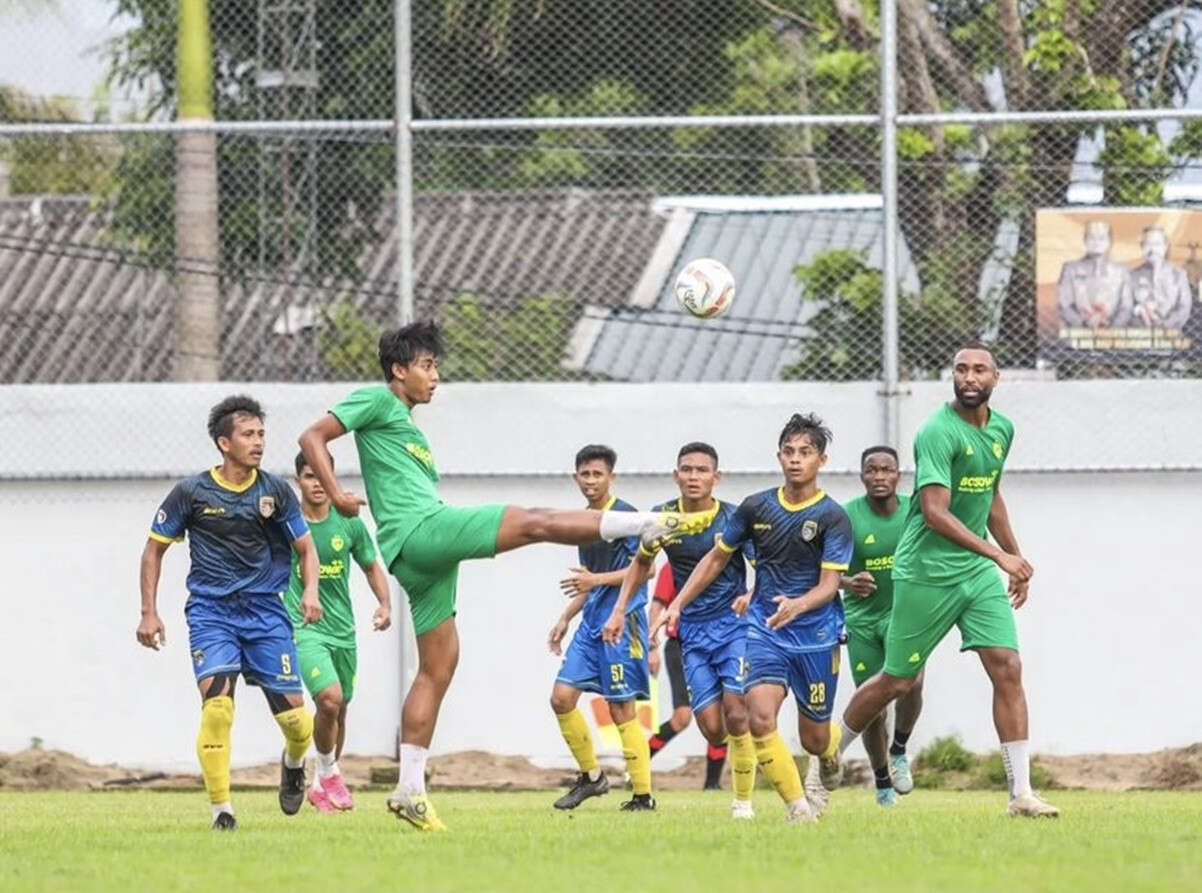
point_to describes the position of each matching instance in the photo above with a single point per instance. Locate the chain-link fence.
(1067, 239)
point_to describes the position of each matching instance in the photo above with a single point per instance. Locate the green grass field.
(160, 841)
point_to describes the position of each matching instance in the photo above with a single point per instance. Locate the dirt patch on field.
(1174, 768)
(36, 769)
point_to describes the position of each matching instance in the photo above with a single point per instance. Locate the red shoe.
(320, 801)
(336, 792)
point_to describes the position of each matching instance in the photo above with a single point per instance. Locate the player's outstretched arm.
(1003, 533)
(313, 443)
(633, 576)
(151, 632)
(306, 553)
(705, 573)
(788, 608)
(936, 512)
(378, 581)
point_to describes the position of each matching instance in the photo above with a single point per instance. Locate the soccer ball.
(705, 288)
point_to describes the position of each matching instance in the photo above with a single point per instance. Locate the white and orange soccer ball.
(705, 288)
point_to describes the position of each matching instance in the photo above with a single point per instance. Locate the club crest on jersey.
(266, 506)
(997, 450)
(809, 530)
(161, 517)
(336, 543)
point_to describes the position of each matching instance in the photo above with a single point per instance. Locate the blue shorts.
(249, 634)
(811, 675)
(715, 657)
(616, 672)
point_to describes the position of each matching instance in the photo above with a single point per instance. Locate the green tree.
(55, 165)
(523, 341)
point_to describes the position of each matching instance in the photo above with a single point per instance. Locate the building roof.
(73, 308)
(762, 241)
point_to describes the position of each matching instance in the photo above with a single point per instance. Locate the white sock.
(619, 525)
(848, 738)
(291, 763)
(1017, 761)
(326, 764)
(594, 774)
(412, 778)
(219, 808)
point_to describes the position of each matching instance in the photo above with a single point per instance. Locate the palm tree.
(198, 311)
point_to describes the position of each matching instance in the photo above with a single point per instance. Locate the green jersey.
(875, 537)
(337, 539)
(968, 460)
(397, 466)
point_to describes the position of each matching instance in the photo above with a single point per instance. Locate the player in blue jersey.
(712, 636)
(242, 525)
(615, 669)
(803, 544)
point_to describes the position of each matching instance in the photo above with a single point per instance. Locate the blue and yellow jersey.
(602, 557)
(240, 538)
(685, 551)
(793, 544)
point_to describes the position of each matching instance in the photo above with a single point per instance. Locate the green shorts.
(866, 647)
(428, 565)
(923, 615)
(323, 663)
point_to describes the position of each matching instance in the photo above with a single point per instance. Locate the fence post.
(889, 273)
(404, 162)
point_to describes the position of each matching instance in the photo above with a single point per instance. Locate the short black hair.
(405, 344)
(810, 425)
(221, 416)
(974, 344)
(301, 462)
(594, 451)
(887, 450)
(697, 446)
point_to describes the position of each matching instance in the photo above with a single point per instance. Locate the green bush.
(946, 754)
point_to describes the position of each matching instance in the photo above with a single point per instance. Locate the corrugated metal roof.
(756, 339)
(74, 309)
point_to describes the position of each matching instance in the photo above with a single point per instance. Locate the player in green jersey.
(326, 649)
(877, 519)
(943, 570)
(422, 540)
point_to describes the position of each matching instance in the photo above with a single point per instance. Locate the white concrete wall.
(1107, 636)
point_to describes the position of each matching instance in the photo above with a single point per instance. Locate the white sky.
(56, 53)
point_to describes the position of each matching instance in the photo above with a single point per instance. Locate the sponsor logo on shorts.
(315, 672)
(198, 657)
(266, 506)
(915, 658)
(860, 667)
(809, 530)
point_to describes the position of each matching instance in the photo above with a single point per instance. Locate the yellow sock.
(297, 726)
(778, 767)
(213, 746)
(742, 765)
(637, 751)
(579, 739)
(832, 747)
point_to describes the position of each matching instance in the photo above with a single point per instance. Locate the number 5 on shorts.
(286, 664)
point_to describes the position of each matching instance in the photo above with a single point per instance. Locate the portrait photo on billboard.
(1118, 280)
